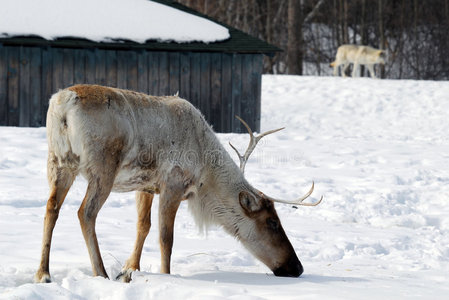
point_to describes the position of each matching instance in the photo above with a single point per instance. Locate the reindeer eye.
(272, 224)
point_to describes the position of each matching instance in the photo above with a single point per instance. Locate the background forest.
(414, 33)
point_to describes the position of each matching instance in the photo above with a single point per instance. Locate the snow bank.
(105, 20)
(376, 149)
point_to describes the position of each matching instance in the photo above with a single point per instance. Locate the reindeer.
(357, 55)
(123, 141)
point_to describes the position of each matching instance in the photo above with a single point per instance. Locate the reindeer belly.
(132, 179)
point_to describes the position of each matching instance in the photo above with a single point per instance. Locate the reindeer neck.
(218, 190)
(221, 167)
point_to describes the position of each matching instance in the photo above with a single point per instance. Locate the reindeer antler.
(244, 158)
(298, 201)
(252, 143)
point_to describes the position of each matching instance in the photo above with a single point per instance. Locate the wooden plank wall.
(221, 85)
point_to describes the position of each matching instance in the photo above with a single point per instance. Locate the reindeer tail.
(57, 122)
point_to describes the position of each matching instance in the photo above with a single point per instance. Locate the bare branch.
(314, 11)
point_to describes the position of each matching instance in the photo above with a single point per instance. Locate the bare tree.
(414, 33)
(294, 46)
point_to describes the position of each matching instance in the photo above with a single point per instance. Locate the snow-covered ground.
(378, 150)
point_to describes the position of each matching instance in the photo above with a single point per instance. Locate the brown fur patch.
(93, 94)
(97, 95)
(114, 146)
(113, 153)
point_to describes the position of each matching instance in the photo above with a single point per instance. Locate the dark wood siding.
(221, 85)
(13, 85)
(3, 86)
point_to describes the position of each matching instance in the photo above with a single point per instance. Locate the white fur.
(152, 127)
(357, 55)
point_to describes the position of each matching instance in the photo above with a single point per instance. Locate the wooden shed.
(222, 79)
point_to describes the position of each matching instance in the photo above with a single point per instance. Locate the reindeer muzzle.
(292, 268)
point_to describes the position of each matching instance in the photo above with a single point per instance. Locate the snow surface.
(105, 20)
(378, 150)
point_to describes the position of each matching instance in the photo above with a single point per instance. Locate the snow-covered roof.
(105, 21)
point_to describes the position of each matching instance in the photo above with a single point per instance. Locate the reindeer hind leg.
(100, 173)
(98, 190)
(143, 202)
(60, 179)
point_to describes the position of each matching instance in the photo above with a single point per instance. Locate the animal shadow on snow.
(267, 279)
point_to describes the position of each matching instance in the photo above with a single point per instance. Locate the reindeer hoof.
(124, 275)
(42, 278)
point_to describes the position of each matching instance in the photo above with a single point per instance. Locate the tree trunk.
(335, 27)
(363, 33)
(381, 37)
(294, 46)
(269, 36)
(417, 62)
(345, 22)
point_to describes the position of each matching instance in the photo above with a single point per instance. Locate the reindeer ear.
(248, 202)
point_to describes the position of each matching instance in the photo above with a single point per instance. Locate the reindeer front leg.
(172, 193)
(345, 67)
(371, 71)
(355, 70)
(168, 206)
(143, 202)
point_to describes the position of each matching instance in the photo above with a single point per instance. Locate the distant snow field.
(378, 150)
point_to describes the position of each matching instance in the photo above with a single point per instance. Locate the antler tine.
(252, 143)
(257, 138)
(244, 158)
(246, 125)
(300, 200)
(240, 157)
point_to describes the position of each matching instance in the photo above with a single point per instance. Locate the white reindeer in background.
(124, 141)
(357, 55)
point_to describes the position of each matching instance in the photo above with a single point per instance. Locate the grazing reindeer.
(357, 55)
(124, 141)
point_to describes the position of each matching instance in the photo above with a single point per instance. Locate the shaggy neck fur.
(217, 199)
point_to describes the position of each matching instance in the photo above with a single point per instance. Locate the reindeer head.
(262, 234)
(381, 56)
(260, 229)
